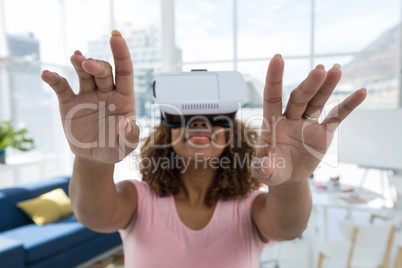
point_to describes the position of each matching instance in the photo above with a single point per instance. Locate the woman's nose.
(199, 124)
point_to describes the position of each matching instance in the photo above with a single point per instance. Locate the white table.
(333, 197)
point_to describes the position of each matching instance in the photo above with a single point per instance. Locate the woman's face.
(198, 140)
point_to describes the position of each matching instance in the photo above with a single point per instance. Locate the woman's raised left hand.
(292, 143)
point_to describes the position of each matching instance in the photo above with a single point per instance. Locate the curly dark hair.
(231, 182)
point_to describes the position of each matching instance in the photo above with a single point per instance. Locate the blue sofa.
(66, 243)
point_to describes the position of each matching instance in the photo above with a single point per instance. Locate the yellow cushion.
(47, 208)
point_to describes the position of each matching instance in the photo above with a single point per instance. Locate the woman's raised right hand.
(99, 121)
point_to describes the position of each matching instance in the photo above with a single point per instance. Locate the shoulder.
(140, 185)
(248, 205)
(142, 202)
(258, 213)
(245, 204)
(254, 198)
(142, 188)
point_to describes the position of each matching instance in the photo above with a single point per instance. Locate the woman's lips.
(199, 138)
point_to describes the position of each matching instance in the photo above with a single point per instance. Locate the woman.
(197, 218)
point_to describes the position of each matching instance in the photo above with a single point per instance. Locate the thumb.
(269, 168)
(261, 169)
(129, 134)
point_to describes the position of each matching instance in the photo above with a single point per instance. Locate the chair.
(360, 250)
(398, 243)
(395, 214)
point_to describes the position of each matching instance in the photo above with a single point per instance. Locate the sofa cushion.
(47, 208)
(12, 216)
(11, 253)
(80, 253)
(51, 239)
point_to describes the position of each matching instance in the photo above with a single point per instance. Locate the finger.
(86, 80)
(260, 169)
(272, 108)
(102, 72)
(264, 169)
(59, 85)
(300, 97)
(341, 111)
(316, 104)
(129, 134)
(123, 64)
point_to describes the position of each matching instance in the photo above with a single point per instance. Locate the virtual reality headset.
(211, 96)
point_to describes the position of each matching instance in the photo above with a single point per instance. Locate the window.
(29, 19)
(42, 35)
(204, 29)
(269, 27)
(361, 36)
(351, 26)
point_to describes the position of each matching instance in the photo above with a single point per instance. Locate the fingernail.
(365, 89)
(263, 166)
(129, 126)
(91, 59)
(278, 55)
(320, 66)
(77, 52)
(116, 33)
(337, 66)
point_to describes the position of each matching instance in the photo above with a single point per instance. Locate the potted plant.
(9, 137)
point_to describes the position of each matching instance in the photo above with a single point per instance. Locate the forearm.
(289, 207)
(93, 193)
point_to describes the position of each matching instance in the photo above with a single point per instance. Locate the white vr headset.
(212, 96)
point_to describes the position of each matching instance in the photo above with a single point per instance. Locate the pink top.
(156, 237)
